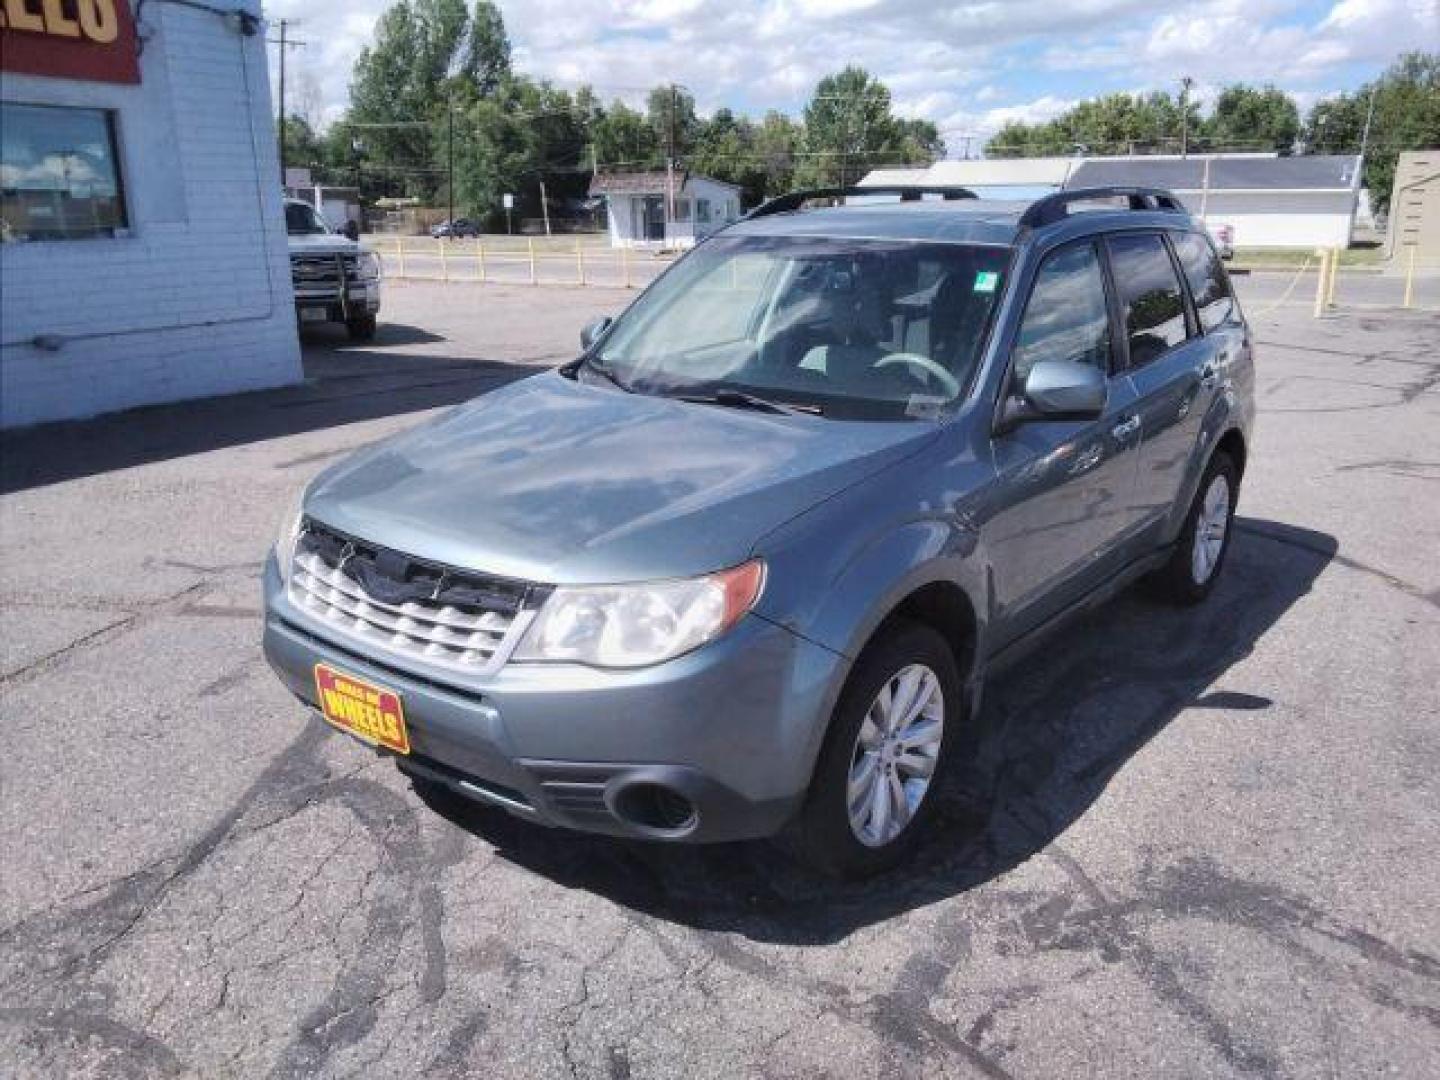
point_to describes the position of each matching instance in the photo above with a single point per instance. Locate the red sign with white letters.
(92, 40)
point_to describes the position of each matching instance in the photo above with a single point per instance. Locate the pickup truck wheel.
(1194, 567)
(875, 781)
(361, 328)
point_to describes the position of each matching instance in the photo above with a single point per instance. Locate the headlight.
(368, 266)
(626, 626)
(289, 536)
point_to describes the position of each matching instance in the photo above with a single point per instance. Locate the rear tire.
(362, 328)
(1199, 555)
(877, 779)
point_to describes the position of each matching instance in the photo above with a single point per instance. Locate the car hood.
(322, 244)
(550, 480)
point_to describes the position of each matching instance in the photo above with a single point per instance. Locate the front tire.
(1194, 566)
(875, 784)
(361, 328)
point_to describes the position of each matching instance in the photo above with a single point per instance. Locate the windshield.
(302, 220)
(870, 329)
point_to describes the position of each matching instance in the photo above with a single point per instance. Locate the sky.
(968, 66)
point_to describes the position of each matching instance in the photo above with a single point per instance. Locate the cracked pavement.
(1210, 849)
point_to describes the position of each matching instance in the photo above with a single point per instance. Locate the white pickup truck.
(336, 279)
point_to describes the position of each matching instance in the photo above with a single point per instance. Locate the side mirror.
(594, 332)
(351, 229)
(1058, 390)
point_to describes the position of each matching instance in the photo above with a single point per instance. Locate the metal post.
(1205, 190)
(625, 264)
(450, 160)
(444, 263)
(1334, 273)
(544, 208)
(1185, 85)
(1410, 278)
(1320, 282)
(400, 250)
(282, 101)
(480, 255)
(580, 259)
(530, 244)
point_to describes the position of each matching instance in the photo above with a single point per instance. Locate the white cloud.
(969, 65)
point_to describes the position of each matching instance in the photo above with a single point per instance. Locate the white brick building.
(156, 269)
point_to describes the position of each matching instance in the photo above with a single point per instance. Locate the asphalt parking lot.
(1212, 850)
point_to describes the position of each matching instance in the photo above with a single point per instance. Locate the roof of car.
(961, 221)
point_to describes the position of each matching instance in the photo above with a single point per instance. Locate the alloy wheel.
(1211, 525)
(895, 755)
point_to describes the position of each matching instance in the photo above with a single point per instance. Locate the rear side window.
(1065, 317)
(1150, 297)
(1208, 284)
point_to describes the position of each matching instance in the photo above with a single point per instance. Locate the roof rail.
(793, 200)
(1053, 208)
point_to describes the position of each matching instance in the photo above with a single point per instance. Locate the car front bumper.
(730, 731)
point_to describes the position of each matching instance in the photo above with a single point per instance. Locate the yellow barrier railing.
(529, 260)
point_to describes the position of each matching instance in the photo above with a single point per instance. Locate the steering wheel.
(948, 383)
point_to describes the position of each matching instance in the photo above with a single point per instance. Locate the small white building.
(142, 241)
(1268, 200)
(636, 207)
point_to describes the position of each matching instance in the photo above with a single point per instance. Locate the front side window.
(1150, 297)
(863, 329)
(1208, 285)
(302, 219)
(1066, 317)
(59, 177)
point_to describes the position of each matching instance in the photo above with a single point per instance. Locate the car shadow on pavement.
(1065, 721)
(344, 383)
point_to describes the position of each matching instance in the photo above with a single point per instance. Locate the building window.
(702, 211)
(682, 209)
(59, 175)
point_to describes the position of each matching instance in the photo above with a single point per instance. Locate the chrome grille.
(475, 636)
(312, 271)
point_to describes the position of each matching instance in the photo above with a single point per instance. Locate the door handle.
(1126, 428)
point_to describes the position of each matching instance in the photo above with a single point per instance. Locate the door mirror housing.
(1058, 390)
(594, 332)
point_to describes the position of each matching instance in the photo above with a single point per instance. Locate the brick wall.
(197, 300)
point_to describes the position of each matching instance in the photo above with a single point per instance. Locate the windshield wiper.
(591, 364)
(740, 399)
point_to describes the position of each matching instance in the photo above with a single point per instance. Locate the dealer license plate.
(313, 314)
(361, 708)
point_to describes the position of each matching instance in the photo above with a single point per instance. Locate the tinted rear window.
(1150, 295)
(1206, 277)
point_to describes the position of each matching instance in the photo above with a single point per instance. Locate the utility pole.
(285, 43)
(670, 162)
(1185, 84)
(450, 159)
(1369, 118)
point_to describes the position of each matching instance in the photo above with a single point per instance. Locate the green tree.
(849, 129)
(777, 139)
(302, 148)
(1112, 124)
(1251, 118)
(426, 54)
(1407, 117)
(671, 112)
(622, 137)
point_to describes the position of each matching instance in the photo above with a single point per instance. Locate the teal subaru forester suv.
(741, 569)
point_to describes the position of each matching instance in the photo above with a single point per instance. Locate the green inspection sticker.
(986, 280)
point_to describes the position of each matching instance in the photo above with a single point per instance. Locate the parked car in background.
(455, 230)
(335, 278)
(1224, 237)
(743, 567)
